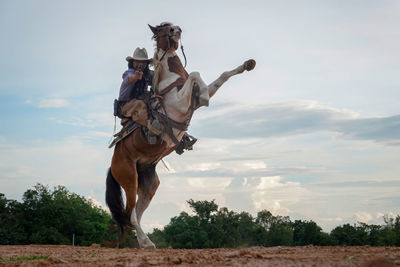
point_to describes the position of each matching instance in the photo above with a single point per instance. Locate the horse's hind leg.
(126, 175)
(148, 184)
(124, 171)
(214, 86)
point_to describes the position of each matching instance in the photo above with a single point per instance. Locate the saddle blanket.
(126, 131)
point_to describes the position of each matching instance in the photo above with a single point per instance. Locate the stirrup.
(189, 141)
(186, 143)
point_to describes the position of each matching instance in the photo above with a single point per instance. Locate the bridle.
(169, 39)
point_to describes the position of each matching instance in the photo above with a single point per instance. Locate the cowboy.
(134, 86)
(130, 102)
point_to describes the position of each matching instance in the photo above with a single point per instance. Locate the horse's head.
(167, 36)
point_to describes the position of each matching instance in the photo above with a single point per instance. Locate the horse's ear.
(153, 29)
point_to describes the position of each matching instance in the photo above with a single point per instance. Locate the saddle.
(186, 143)
(129, 126)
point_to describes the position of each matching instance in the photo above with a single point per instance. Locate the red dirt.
(254, 256)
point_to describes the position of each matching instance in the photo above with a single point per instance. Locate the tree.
(278, 230)
(390, 232)
(350, 235)
(247, 229)
(11, 231)
(308, 233)
(52, 217)
(223, 230)
(184, 231)
(396, 230)
(203, 209)
(208, 228)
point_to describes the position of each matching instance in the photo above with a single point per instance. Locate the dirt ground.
(254, 256)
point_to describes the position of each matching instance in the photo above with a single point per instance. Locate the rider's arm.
(132, 78)
(127, 84)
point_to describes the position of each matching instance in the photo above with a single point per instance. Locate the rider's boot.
(155, 130)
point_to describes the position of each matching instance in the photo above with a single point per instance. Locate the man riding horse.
(134, 96)
(178, 95)
(133, 93)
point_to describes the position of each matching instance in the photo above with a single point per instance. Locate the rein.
(183, 52)
(169, 46)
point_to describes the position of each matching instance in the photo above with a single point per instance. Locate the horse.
(177, 95)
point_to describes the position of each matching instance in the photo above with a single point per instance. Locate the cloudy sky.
(313, 132)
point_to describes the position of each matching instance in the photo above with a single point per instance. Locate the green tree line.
(58, 216)
(51, 217)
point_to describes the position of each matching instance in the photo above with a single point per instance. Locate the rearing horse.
(133, 165)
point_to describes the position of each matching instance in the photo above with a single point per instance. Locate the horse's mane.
(157, 71)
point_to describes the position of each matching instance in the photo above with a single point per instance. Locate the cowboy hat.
(139, 54)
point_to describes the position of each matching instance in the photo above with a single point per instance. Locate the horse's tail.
(115, 203)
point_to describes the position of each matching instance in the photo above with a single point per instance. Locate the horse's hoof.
(249, 64)
(147, 244)
(150, 247)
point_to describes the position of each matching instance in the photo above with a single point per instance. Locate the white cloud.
(379, 215)
(235, 120)
(276, 196)
(269, 182)
(255, 164)
(148, 227)
(210, 183)
(90, 120)
(204, 166)
(364, 217)
(71, 162)
(272, 205)
(101, 119)
(336, 220)
(53, 103)
(167, 167)
(99, 134)
(20, 171)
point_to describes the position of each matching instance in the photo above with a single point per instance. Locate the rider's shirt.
(126, 86)
(130, 90)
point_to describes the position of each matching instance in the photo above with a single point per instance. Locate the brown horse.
(133, 165)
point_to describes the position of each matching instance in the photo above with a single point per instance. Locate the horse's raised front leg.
(214, 86)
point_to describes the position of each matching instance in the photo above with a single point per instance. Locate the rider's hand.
(138, 75)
